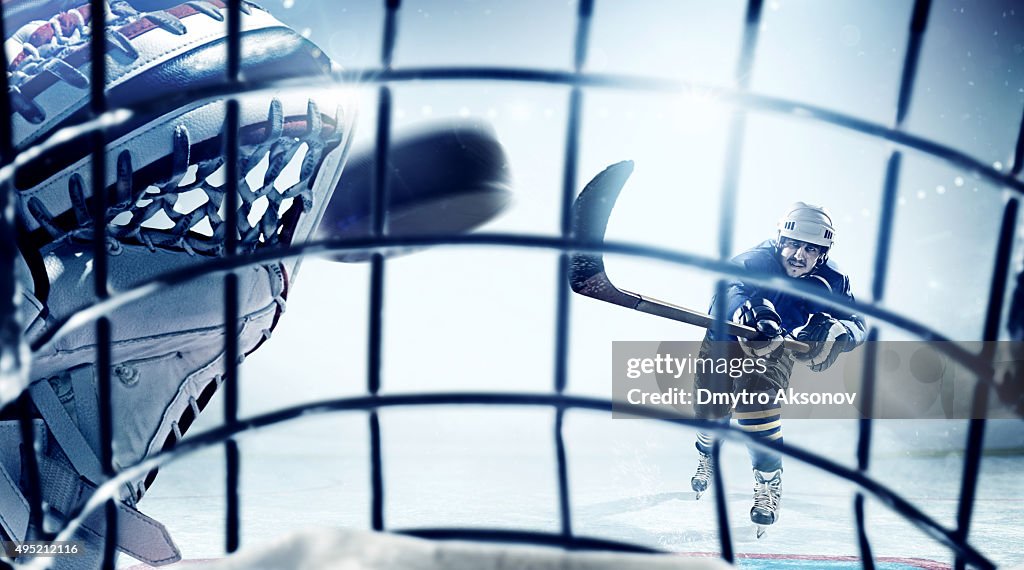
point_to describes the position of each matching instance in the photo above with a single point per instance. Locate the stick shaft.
(587, 276)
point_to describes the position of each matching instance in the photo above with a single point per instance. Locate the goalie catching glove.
(761, 316)
(166, 186)
(827, 337)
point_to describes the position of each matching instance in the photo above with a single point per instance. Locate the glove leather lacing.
(158, 214)
(46, 47)
(184, 211)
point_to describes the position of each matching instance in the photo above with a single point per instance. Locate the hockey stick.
(590, 213)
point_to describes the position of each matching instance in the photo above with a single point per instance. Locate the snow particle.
(940, 189)
(997, 165)
(288, 4)
(921, 194)
(958, 181)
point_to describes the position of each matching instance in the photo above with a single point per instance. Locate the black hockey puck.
(447, 179)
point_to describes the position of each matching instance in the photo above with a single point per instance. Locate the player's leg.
(763, 421)
(701, 479)
(716, 383)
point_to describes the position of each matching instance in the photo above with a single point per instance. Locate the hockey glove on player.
(761, 316)
(827, 337)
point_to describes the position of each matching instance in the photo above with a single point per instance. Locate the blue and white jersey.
(763, 259)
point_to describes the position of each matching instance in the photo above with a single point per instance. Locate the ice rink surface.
(495, 467)
(451, 322)
(482, 467)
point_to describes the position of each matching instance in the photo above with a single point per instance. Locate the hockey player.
(800, 251)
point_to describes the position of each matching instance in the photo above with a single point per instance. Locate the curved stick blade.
(593, 207)
(590, 213)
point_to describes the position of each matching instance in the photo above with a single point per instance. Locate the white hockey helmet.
(808, 223)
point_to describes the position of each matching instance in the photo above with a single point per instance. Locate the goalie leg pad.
(64, 490)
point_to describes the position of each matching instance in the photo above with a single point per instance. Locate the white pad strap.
(64, 491)
(70, 439)
(14, 509)
(83, 382)
(138, 535)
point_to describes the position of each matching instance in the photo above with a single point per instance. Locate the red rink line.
(921, 563)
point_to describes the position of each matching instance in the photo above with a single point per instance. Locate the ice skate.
(702, 478)
(767, 495)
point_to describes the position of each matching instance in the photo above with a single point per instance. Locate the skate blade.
(761, 529)
(698, 495)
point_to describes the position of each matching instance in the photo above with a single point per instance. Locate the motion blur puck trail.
(447, 179)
